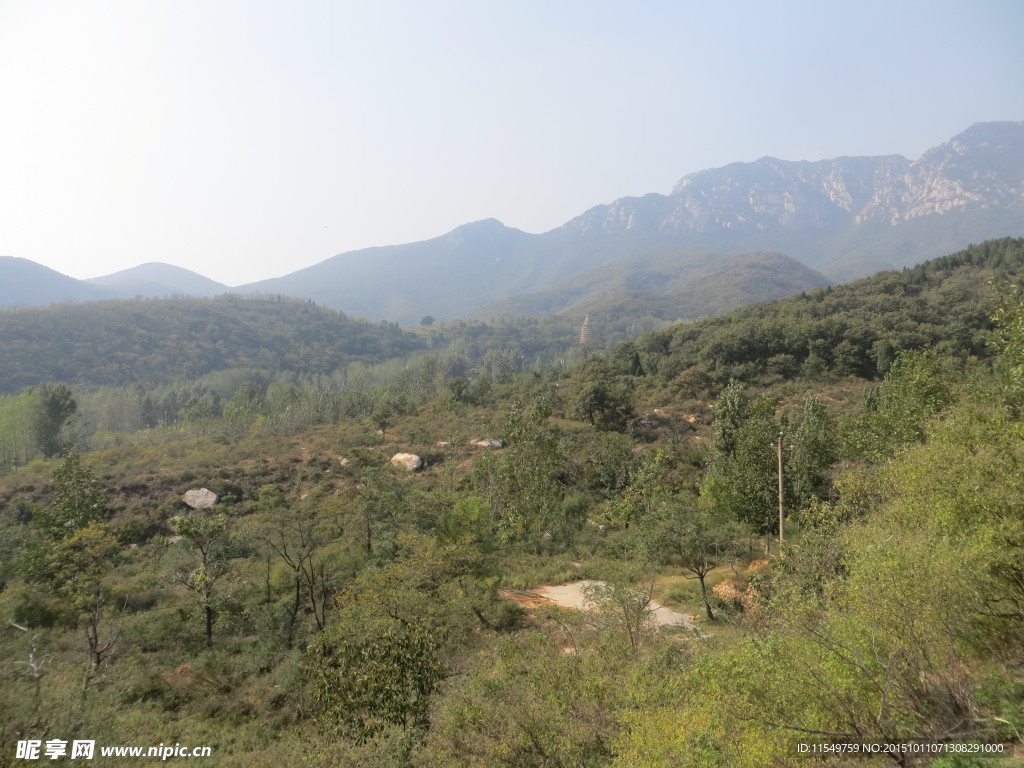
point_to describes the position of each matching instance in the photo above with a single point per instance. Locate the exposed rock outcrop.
(488, 442)
(407, 461)
(200, 498)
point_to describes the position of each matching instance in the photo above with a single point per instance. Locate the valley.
(332, 608)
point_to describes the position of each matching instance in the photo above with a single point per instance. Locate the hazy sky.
(246, 139)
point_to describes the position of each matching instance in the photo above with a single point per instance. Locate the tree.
(297, 535)
(813, 450)
(730, 411)
(245, 405)
(79, 563)
(613, 463)
(522, 483)
(379, 662)
(896, 413)
(697, 537)
(382, 505)
(644, 491)
(600, 396)
(56, 404)
(370, 683)
(78, 500)
(18, 420)
(618, 606)
(73, 552)
(207, 538)
(1008, 341)
(383, 416)
(742, 478)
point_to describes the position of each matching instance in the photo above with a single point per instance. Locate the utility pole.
(782, 515)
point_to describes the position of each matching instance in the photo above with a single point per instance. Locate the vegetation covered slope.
(333, 610)
(668, 284)
(852, 329)
(160, 340)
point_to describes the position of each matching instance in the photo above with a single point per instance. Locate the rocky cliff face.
(983, 167)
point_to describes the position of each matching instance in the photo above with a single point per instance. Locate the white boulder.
(407, 461)
(201, 498)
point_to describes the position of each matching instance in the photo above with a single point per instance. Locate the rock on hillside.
(407, 461)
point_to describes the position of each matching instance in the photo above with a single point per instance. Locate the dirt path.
(572, 595)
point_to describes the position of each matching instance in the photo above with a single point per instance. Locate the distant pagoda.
(586, 333)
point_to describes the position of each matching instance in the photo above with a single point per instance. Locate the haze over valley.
(834, 219)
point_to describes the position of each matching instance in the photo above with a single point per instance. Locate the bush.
(37, 611)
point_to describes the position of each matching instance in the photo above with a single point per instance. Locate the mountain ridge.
(844, 217)
(772, 195)
(669, 286)
(156, 279)
(25, 283)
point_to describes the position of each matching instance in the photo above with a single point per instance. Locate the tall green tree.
(381, 661)
(730, 412)
(382, 506)
(742, 478)
(644, 491)
(206, 537)
(297, 536)
(80, 563)
(811, 450)
(56, 405)
(522, 483)
(896, 413)
(18, 420)
(79, 499)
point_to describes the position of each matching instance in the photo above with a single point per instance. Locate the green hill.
(668, 284)
(851, 329)
(161, 340)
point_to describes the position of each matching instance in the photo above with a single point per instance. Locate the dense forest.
(854, 329)
(781, 476)
(154, 342)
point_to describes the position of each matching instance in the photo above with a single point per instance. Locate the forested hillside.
(667, 283)
(334, 608)
(159, 340)
(854, 329)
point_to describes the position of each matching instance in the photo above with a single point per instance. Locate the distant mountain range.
(24, 283)
(843, 218)
(847, 217)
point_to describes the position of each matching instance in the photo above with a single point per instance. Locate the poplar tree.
(812, 450)
(742, 477)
